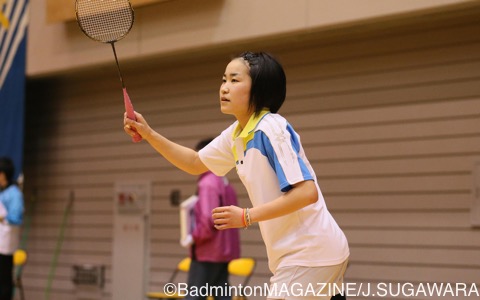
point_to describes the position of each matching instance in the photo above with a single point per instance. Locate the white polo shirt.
(269, 160)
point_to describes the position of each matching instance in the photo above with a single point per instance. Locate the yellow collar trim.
(251, 125)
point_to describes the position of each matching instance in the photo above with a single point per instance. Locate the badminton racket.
(108, 21)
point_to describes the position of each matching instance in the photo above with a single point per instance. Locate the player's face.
(235, 91)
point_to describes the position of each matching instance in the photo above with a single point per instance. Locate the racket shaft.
(130, 113)
(118, 67)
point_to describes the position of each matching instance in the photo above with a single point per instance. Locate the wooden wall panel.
(391, 124)
(57, 11)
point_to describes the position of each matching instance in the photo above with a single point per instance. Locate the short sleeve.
(283, 149)
(13, 203)
(218, 155)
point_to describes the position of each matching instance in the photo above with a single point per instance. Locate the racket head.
(105, 21)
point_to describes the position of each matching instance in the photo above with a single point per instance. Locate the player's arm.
(302, 194)
(184, 158)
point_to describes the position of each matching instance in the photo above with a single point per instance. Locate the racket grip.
(130, 114)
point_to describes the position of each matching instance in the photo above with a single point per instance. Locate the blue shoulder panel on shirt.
(262, 143)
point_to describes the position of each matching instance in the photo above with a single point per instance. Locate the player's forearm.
(182, 157)
(303, 194)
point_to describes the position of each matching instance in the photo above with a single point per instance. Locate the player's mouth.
(223, 99)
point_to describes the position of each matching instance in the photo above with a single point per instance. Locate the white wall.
(184, 25)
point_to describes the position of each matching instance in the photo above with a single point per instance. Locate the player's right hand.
(132, 127)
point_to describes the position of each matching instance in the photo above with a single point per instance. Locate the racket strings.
(105, 20)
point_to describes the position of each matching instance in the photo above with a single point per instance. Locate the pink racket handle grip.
(130, 114)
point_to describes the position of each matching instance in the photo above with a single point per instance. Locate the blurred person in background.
(11, 217)
(211, 250)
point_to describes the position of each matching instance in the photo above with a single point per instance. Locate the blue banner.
(13, 36)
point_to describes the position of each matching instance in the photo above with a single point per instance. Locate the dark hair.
(6, 166)
(269, 83)
(203, 143)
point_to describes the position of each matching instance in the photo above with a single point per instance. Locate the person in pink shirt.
(212, 249)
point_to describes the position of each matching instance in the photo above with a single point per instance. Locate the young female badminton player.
(307, 251)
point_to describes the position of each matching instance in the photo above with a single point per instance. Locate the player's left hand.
(226, 217)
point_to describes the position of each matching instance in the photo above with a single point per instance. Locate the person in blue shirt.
(11, 217)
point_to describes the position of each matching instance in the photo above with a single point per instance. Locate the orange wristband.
(244, 218)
